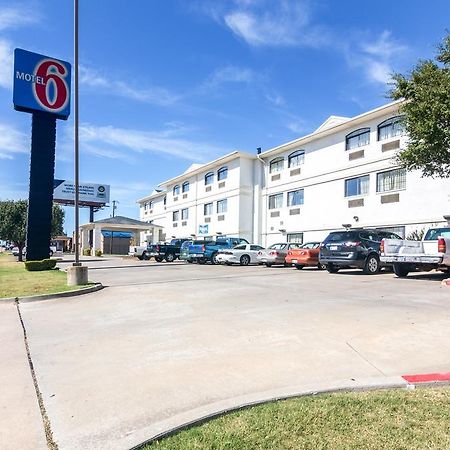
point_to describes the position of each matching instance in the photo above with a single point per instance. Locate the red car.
(305, 256)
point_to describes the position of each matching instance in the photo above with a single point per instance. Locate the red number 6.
(52, 74)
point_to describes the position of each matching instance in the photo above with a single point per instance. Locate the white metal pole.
(75, 95)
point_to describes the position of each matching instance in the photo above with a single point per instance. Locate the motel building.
(344, 173)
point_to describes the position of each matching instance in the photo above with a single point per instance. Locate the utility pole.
(114, 207)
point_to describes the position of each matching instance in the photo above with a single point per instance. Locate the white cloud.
(16, 17)
(128, 144)
(275, 98)
(6, 64)
(274, 23)
(155, 95)
(232, 74)
(12, 141)
(297, 127)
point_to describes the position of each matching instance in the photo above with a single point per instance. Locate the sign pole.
(76, 138)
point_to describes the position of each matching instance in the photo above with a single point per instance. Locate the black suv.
(357, 248)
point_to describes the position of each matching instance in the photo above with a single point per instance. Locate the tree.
(13, 222)
(426, 111)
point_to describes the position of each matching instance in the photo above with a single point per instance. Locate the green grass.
(15, 281)
(394, 420)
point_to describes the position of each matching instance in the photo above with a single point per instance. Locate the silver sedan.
(276, 253)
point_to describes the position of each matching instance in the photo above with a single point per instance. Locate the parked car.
(354, 249)
(208, 251)
(243, 254)
(168, 251)
(15, 251)
(433, 252)
(276, 253)
(184, 251)
(305, 256)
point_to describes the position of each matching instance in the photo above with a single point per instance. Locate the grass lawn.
(394, 420)
(15, 281)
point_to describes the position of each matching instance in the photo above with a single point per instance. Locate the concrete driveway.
(167, 343)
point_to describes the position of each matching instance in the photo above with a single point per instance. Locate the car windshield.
(186, 244)
(435, 233)
(311, 245)
(239, 247)
(277, 246)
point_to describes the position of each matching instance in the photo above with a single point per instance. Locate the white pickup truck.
(432, 252)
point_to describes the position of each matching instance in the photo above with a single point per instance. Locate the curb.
(204, 414)
(35, 298)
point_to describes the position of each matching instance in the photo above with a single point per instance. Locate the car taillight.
(352, 244)
(290, 253)
(273, 253)
(259, 253)
(203, 248)
(382, 246)
(157, 248)
(442, 247)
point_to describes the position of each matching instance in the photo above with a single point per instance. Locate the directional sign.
(41, 83)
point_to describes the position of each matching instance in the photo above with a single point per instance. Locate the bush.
(86, 252)
(98, 252)
(45, 264)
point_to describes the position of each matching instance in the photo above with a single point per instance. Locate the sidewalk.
(21, 423)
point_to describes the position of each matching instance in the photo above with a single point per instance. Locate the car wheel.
(227, 263)
(140, 257)
(214, 258)
(189, 261)
(332, 268)
(268, 264)
(372, 265)
(321, 266)
(145, 256)
(401, 270)
(245, 260)
(158, 259)
(299, 266)
(201, 261)
(170, 257)
(51, 252)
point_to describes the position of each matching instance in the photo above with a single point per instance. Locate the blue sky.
(167, 83)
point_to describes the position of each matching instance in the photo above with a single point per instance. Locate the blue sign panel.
(203, 229)
(41, 83)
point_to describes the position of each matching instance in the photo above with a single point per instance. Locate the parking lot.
(165, 343)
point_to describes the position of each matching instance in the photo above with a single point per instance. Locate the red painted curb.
(427, 377)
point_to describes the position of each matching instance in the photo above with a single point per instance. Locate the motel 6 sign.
(41, 84)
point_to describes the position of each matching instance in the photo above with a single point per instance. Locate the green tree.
(426, 110)
(13, 222)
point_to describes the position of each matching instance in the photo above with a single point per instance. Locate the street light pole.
(76, 138)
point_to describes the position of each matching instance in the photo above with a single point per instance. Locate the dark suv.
(354, 249)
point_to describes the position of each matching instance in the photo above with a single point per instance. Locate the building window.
(357, 138)
(222, 173)
(295, 197)
(390, 128)
(207, 209)
(185, 186)
(145, 206)
(176, 190)
(165, 200)
(176, 216)
(150, 204)
(296, 158)
(392, 180)
(276, 165)
(209, 178)
(221, 206)
(185, 214)
(295, 237)
(275, 201)
(357, 186)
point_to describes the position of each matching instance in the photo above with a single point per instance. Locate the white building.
(344, 172)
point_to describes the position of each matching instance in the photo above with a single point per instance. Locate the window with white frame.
(391, 180)
(165, 200)
(185, 214)
(175, 216)
(145, 206)
(209, 178)
(296, 197)
(222, 206)
(390, 128)
(357, 138)
(296, 158)
(357, 186)
(295, 237)
(222, 173)
(275, 201)
(185, 187)
(176, 190)
(276, 165)
(207, 209)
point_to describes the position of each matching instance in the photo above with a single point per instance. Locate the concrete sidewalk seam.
(51, 444)
(364, 358)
